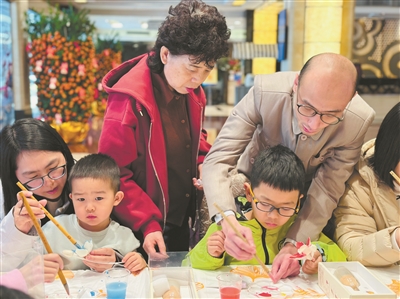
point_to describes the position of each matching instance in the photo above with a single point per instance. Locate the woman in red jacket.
(153, 125)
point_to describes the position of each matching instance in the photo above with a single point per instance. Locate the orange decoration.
(109, 59)
(61, 73)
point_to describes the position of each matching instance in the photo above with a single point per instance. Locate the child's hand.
(134, 262)
(215, 244)
(100, 259)
(311, 266)
(50, 264)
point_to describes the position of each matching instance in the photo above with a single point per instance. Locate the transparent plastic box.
(172, 277)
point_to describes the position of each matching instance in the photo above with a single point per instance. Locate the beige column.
(20, 67)
(317, 26)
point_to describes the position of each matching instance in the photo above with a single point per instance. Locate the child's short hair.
(278, 167)
(96, 166)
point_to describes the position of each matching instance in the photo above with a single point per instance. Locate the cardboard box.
(173, 274)
(367, 284)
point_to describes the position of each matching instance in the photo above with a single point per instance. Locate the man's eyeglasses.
(266, 207)
(309, 111)
(53, 174)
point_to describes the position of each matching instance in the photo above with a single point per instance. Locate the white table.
(91, 284)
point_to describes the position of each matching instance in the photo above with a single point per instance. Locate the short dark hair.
(278, 167)
(387, 147)
(191, 28)
(27, 134)
(96, 166)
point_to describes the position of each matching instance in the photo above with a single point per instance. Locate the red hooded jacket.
(132, 134)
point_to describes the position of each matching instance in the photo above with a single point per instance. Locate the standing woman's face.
(181, 73)
(42, 171)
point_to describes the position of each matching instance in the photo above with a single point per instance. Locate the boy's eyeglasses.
(309, 111)
(266, 207)
(53, 174)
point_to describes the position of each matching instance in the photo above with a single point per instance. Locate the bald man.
(316, 113)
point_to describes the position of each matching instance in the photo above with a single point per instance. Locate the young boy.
(275, 190)
(94, 182)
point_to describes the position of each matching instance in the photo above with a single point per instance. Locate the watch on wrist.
(218, 217)
(322, 252)
(288, 240)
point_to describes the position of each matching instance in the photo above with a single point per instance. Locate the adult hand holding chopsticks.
(21, 217)
(236, 246)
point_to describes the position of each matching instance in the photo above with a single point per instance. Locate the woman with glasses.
(274, 192)
(33, 153)
(368, 214)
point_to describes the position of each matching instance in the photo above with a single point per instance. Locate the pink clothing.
(14, 280)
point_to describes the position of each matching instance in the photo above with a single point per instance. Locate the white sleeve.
(15, 245)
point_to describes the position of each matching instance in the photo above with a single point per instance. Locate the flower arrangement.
(61, 55)
(108, 56)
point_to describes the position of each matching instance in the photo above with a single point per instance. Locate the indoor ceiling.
(138, 20)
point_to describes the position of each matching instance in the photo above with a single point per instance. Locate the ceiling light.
(80, 1)
(238, 2)
(116, 25)
(144, 25)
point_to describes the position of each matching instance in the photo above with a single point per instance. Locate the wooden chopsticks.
(44, 240)
(396, 177)
(241, 237)
(62, 229)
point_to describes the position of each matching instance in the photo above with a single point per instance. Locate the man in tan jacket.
(316, 113)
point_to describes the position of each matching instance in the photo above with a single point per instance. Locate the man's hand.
(284, 266)
(311, 266)
(99, 259)
(150, 242)
(215, 244)
(22, 220)
(134, 262)
(234, 245)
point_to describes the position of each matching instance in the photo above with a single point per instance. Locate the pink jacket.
(133, 135)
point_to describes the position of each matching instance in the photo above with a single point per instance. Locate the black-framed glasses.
(309, 111)
(53, 174)
(266, 207)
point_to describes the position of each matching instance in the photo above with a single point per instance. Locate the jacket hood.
(121, 79)
(133, 78)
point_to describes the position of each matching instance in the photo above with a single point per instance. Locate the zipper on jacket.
(197, 214)
(264, 244)
(158, 179)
